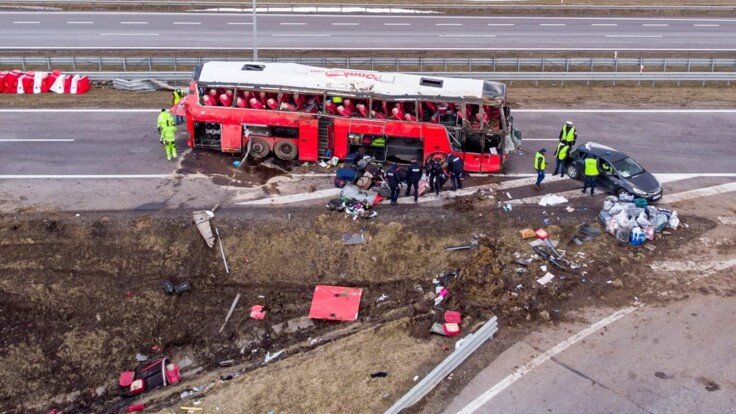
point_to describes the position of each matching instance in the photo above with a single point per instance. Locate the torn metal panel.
(202, 220)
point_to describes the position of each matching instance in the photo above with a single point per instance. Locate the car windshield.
(627, 167)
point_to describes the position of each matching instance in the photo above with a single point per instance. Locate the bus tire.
(285, 150)
(259, 148)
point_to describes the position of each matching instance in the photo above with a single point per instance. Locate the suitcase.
(347, 174)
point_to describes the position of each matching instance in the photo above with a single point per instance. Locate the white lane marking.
(629, 111)
(499, 24)
(655, 24)
(466, 35)
(540, 139)
(73, 22)
(345, 24)
(133, 22)
(300, 35)
(634, 36)
(706, 25)
(397, 24)
(448, 24)
(541, 359)
(700, 192)
(294, 198)
(82, 176)
(604, 24)
(552, 24)
(26, 22)
(128, 34)
(35, 140)
(239, 23)
(188, 23)
(691, 266)
(291, 24)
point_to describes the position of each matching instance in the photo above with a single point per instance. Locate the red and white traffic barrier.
(42, 82)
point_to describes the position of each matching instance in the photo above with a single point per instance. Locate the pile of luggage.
(632, 220)
(364, 173)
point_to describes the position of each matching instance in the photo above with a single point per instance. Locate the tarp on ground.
(335, 303)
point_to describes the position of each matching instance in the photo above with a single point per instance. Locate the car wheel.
(573, 171)
(621, 191)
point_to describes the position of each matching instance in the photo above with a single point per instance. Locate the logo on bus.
(349, 74)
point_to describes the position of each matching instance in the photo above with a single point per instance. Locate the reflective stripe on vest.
(591, 167)
(568, 136)
(539, 162)
(562, 151)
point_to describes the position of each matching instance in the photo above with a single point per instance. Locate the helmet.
(568, 123)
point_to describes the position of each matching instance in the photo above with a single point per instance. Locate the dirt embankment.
(81, 296)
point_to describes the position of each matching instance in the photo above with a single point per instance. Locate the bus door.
(232, 138)
(308, 139)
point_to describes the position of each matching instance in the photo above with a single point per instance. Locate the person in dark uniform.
(434, 172)
(412, 177)
(456, 166)
(393, 180)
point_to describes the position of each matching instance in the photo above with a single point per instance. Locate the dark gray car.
(619, 173)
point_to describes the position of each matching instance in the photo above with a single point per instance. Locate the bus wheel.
(285, 150)
(259, 148)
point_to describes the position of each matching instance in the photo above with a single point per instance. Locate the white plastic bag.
(674, 221)
(642, 220)
(612, 226)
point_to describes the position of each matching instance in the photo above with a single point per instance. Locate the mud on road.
(81, 296)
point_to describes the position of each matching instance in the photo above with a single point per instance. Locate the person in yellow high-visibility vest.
(176, 96)
(568, 134)
(561, 153)
(163, 119)
(168, 138)
(590, 173)
(540, 164)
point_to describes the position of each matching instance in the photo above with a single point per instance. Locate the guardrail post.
(23, 63)
(74, 63)
(567, 65)
(125, 64)
(99, 63)
(494, 64)
(712, 64)
(48, 63)
(175, 64)
(444, 61)
(373, 64)
(470, 64)
(688, 64)
(149, 64)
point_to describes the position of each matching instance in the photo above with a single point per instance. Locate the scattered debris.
(168, 287)
(353, 238)
(202, 220)
(545, 279)
(727, 220)
(257, 312)
(569, 209)
(222, 250)
(473, 244)
(182, 287)
(379, 374)
(552, 200)
(134, 408)
(335, 303)
(140, 357)
(507, 207)
(584, 233)
(622, 215)
(527, 233)
(230, 312)
(382, 297)
(159, 372)
(227, 363)
(270, 357)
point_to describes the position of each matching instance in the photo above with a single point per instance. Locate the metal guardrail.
(469, 344)
(495, 76)
(399, 64)
(361, 7)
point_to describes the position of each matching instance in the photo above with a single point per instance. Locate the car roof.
(603, 152)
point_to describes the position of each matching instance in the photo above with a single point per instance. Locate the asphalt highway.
(111, 30)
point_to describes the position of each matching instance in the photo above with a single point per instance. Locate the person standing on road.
(176, 96)
(456, 166)
(561, 158)
(163, 120)
(568, 134)
(168, 138)
(540, 164)
(590, 172)
(434, 172)
(413, 176)
(393, 180)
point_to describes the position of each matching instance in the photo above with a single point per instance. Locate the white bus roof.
(349, 82)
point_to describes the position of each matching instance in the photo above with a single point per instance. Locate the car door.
(606, 179)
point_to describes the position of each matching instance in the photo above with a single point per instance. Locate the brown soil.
(520, 94)
(81, 295)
